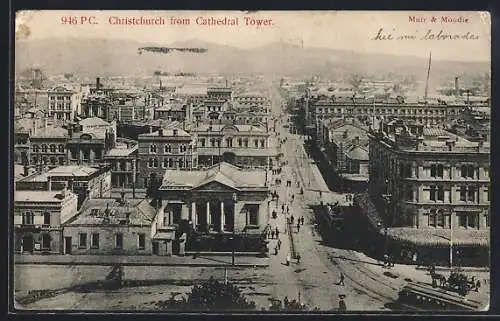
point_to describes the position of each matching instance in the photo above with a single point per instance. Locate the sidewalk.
(145, 260)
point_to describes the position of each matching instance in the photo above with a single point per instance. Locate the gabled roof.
(223, 173)
(94, 121)
(358, 153)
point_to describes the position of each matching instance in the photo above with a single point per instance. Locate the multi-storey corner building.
(61, 103)
(169, 147)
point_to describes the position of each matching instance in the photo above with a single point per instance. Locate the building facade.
(431, 178)
(166, 148)
(60, 103)
(202, 209)
(123, 162)
(38, 216)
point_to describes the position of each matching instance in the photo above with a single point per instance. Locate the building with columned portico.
(211, 209)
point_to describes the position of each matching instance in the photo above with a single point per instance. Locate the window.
(253, 215)
(119, 241)
(61, 148)
(432, 193)
(82, 240)
(52, 148)
(170, 163)
(141, 241)
(487, 172)
(437, 170)
(150, 163)
(440, 193)
(46, 241)
(202, 141)
(168, 149)
(229, 142)
(262, 143)
(46, 218)
(256, 143)
(240, 142)
(246, 142)
(28, 218)
(95, 241)
(35, 148)
(212, 142)
(152, 148)
(487, 194)
(409, 193)
(165, 163)
(467, 171)
(182, 148)
(155, 162)
(471, 193)
(44, 148)
(181, 163)
(440, 218)
(487, 219)
(432, 218)
(463, 193)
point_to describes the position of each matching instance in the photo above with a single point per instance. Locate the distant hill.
(90, 57)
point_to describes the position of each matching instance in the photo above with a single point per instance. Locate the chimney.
(70, 185)
(33, 133)
(150, 129)
(45, 122)
(97, 83)
(457, 87)
(176, 131)
(49, 183)
(160, 132)
(356, 140)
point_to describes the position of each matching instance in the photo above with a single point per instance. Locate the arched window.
(150, 163)
(35, 149)
(152, 148)
(168, 149)
(44, 148)
(52, 148)
(170, 163)
(46, 218)
(181, 163)
(432, 218)
(61, 160)
(155, 162)
(61, 148)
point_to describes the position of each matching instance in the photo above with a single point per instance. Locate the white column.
(194, 219)
(222, 217)
(209, 219)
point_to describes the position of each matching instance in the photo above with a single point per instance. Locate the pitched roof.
(51, 132)
(358, 153)
(94, 121)
(223, 173)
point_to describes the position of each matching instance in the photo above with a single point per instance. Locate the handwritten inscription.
(428, 34)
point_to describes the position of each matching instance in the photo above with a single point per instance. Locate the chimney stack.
(33, 133)
(150, 129)
(97, 83)
(457, 87)
(160, 132)
(45, 122)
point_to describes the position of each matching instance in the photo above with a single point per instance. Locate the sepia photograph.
(251, 161)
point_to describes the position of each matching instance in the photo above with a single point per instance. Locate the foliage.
(211, 295)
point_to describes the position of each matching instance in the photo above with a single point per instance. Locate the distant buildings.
(61, 103)
(123, 161)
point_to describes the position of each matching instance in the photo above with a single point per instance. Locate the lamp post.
(235, 199)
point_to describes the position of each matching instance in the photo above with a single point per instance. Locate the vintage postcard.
(251, 161)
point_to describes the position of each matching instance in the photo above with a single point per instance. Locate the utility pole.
(427, 81)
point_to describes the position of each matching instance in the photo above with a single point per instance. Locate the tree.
(210, 295)
(355, 81)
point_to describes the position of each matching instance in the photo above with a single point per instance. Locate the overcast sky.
(338, 30)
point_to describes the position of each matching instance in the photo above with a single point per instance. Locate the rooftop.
(110, 211)
(61, 171)
(38, 196)
(94, 121)
(221, 127)
(51, 132)
(440, 237)
(222, 173)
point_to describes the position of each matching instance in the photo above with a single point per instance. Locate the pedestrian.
(272, 234)
(386, 260)
(342, 305)
(276, 250)
(478, 285)
(269, 233)
(277, 233)
(341, 281)
(292, 219)
(279, 244)
(302, 220)
(298, 227)
(283, 208)
(288, 258)
(298, 258)
(293, 197)
(287, 209)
